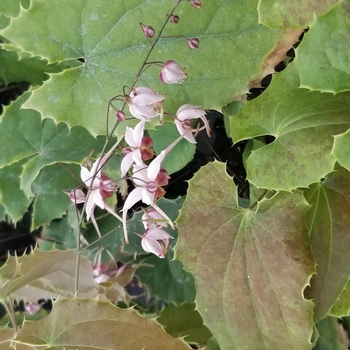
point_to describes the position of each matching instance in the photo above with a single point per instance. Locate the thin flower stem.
(109, 136)
(259, 199)
(9, 308)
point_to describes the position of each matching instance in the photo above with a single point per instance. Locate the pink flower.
(156, 241)
(102, 187)
(77, 196)
(172, 73)
(193, 43)
(32, 308)
(196, 4)
(184, 115)
(148, 31)
(174, 19)
(144, 103)
(147, 189)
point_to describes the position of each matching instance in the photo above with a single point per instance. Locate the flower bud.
(196, 4)
(193, 43)
(120, 115)
(148, 31)
(171, 73)
(174, 19)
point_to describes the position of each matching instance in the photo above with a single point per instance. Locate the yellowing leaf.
(42, 275)
(250, 268)
(92, 324)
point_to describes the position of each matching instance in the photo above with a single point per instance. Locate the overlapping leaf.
(163, 136)
(303, 124)
(331, 336)
(43, 275)
(329, 222)
(292, 14)
(184, 321)
(323, 58)
(42, 143)
(250, 268)
(11, 196)
(341, 149)
(93, 324)
(112, 46)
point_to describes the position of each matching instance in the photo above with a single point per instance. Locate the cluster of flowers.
(149, 179)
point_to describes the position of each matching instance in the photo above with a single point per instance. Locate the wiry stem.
(108, 137)
(9, 308)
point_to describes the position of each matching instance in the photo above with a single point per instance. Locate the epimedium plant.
(117, 89)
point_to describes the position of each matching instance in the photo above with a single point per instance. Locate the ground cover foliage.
(269, 269)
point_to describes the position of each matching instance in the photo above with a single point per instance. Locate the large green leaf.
(303, 124)
(323, 58)
(329, 225)
(92, 324)
(342, 306)
(292, 13)
(45, 275)
(10, 8)
(24, 135)
(108, 38)
(250, 268)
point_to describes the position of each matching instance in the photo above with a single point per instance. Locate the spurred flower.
(172, 73)
(147, 189)
(156, 241)
(151, 218)
(144, 103)
(32, 308)
(148, 31)
(193, 43)
(102, 187)
(184, 115)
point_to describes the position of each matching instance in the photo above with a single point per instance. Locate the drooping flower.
(147, 189)
(156, 241)
(172, 73)
(184, 115)
(144, 103)
(193, 43)
(148, 31)
(101, 186)
(139, 148)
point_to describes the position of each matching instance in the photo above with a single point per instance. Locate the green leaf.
(342, 306)
(330, 335)
(10, 8)
(13, 199)
(24, 69)
(45, 275)
(250, 268)
(44, 143)
(323, 59)
(113, 47)
(303, 124)
(93, 324)
(329, 221)
(340, 149)
(167, 279)
(163, 136)
(51, 202)
(292, 13)
(184, 321)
